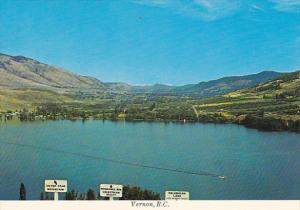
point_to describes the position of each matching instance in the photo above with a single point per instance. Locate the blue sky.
(155, 41)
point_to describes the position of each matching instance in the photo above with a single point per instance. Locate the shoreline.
(217, 122)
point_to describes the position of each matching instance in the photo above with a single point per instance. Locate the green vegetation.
(272, 106)
(26, 83)
(129, 193)
(22, 192)
(31, 91)
(136, 193)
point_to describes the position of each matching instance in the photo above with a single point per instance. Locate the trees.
(136, 193)
(129, 193)
(91, 195)
(22, 192)
(46, 196)
(73, 195)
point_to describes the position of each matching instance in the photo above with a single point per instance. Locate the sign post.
(56, 196)
(177, 195)
(111, 190)
(56, 186)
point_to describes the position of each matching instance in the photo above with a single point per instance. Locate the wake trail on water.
(199, 173)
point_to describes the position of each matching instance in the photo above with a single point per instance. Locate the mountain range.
(210, 88)
(25, 80)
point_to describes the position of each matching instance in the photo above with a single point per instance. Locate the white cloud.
(287, 5)
(204, 9)
(256, 7)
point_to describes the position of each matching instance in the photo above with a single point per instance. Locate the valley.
(32, 90)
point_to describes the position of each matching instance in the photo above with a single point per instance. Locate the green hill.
(273, 105)
(227, 84)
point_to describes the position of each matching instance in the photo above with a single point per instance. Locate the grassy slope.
(21, 71)
(20, 99)
(277, 100)
(208, 89)
(227, 84)
(25, 82)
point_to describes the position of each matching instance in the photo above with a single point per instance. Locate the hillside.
(25, 82)
(273, 105)
(156, 89)
(19, 71)
(227, 84)
(209, 88)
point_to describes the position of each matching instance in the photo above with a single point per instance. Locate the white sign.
(111, 190)
(56, 186)
(177, 195)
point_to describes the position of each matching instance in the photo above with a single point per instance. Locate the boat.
(222, 177)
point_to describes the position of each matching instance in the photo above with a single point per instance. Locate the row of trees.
(129, 193)
(130, 112)
(270, 123)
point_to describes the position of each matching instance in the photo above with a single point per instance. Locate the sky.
(154, 41)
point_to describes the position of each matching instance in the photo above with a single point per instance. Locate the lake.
(258, 165)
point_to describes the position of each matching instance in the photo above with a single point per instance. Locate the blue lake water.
(259, 165)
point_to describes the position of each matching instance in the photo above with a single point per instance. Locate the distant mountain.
(22, 72)
(210, 88)
(27, 81)
(118, 86)
(227, 84)
(157, 89)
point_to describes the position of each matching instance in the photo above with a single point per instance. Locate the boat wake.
(199, 173)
